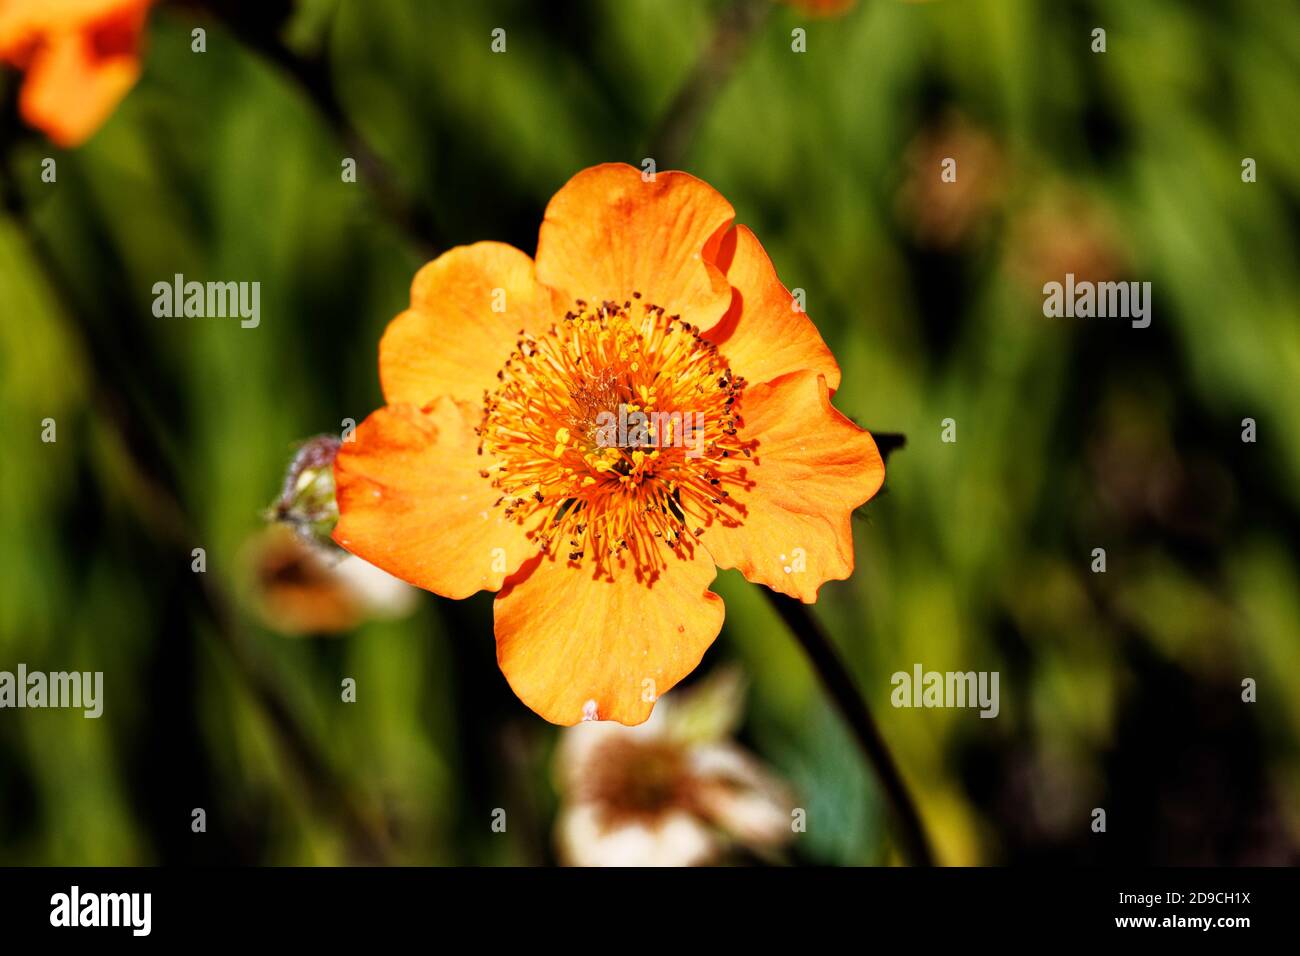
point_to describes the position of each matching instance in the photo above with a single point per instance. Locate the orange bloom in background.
(299, 587)
(80, 56)
(593, 433)
(944, 213)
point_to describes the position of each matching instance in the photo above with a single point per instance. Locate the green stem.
(835, 678)
(737, 24)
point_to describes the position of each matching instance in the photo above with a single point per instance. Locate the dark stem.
(835, 678)
(260, 27)
(736, 25)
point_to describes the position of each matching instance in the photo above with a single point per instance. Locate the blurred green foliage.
(1119, 690)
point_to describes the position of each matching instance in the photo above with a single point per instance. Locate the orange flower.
(81, 57)
(501, 461)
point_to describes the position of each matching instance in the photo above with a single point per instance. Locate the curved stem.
(736, 25)
(260, 28)
(835, 677)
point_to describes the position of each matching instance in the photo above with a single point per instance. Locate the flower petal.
(811, 468)
(467, 307)
(411, 501)
(763, 336)
(76, 77)
(575, 645)
(674, 838)
(740, 795)
(607, 234)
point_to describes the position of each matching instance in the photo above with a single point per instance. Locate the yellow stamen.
(644, 398)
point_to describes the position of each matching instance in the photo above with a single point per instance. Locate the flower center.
(614, 434)
(630, 778)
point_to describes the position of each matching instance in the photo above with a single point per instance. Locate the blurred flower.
(674, 791)
(1063, 230)
(823, 8)
(944, 214)
(300, 587)
(509, 455)
(828, 8)
(1141, 476)
(80, 58)
(300, 581)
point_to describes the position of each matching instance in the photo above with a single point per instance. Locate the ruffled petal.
(608, 234)
(810, 468)
(576, 645)
(467, 309)
(411, 501)
(763, 336)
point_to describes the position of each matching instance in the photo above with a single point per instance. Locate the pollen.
(614, 436)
